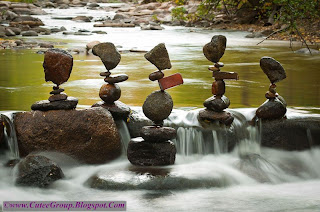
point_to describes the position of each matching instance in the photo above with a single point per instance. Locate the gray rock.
(9, 32)
(26, 20)
(16, 30)
(29, 33)
(273, 69)
(108, 53)
(82, 19)
(37, 171)
(217, 104)
(158, 106)
(206, 115)
(69, 104)
(116, 78)
(118, 109)
(157, 134)
(93, 5)
(22, 11)
(214, 50)
(141, 153)
(271, 109)
(99, 32)
(159, 57)
(306, 51)
(9, 15)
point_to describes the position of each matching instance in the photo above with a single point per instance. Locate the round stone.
(156, 75)
(158, 106)
(157, 134)
(58, 97)
(214, 50)
(110, 93)
(116, 78)
(141, 153)
(218, 87)
(217, 104)
(271, 109)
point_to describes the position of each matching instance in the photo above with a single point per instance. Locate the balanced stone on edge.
(212, 116)
(214, 50)
(57, 91)
(217, 104)
(58, 97)
(156, 75)
(45, 105)
(157, 134)
(116, 78)
(118, 109)
(158, 106)
(143, 153)
(110, 93)
(159, 57)
(108, 54)
(273, 69)
(57, 66)
(272, 109)
(218, 87)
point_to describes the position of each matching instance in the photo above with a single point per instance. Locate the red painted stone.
(170, 81)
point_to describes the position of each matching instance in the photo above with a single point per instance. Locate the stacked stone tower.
(111, 92)
(154, 148)
(57, 66)
(216, 104)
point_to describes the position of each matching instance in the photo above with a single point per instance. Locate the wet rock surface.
(224, 117)
(143, 153)
(271, 109)
(116, 78)
(118, 109)
(37, 171)
(45, 105)
(156, 75)
(157, 134)
(158, 106)
(159, 57)
(89, 136)
(57, 66)
(217, 104)
(214, 50)
(110, 93)
(108, 53)
(273, 69)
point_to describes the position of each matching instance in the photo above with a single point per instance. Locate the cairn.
(275, 106)
(216, 104)
(154, 147)
(57, 66)
(111, 92)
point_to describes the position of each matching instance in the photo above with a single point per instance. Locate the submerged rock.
(159, 57)
(273, 69)
(271, 109)
(88, 135)
(306, 51)
(214, 50)
(142, 153)
(158, 106)
(108, 53)
(37, 171)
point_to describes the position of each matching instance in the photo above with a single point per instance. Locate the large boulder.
(88, 135)
(26, 20)
(37, 171)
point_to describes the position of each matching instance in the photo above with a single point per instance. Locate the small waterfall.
(10, 135)
(124, 135)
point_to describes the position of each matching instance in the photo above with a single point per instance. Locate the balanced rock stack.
(154, 148)
(216, 104)
(111, 91)
(275, 106)
(57, 66)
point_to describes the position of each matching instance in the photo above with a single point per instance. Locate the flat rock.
(273, 69)
(206, 115)
(58, 97)
(157, 134)
(214, 50)
(45, 105)
(306, 51)
(108, 53)
(271, 109)
(118, 109)
(158, 106)
(159, 57)
(29, 33)
(110, 93)
(141, 153)
(116, 78)
(90, 135)
(26, 20)
(217, 104)
(82, 19)
(37, 171)
(156, 75)
(57, 65)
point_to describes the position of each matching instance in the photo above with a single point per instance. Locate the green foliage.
(23, 1)
(180, 2)
(179, 13)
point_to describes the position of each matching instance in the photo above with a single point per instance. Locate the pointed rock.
(159, 57)
(215, 49)
(108, 54)
(273, 69)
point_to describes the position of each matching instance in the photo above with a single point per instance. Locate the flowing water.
(205, 177)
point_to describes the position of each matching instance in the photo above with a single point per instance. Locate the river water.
(266, 180)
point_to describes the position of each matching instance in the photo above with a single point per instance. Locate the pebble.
(57, 91)
(58, 97)
(105, 74)
(272, 88)
(156, 75)
(214, 50)
(159, 57)
(157, 134)
(116, 78)
(270, 95)
(213, 68)
(108, 53)
(110, 93)
(273, 69)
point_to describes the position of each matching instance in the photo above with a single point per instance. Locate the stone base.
(223, 117)
(217, 104)
(118, 109)
(272, 109)
(143, 153)
(156, 134)
(45, 105)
